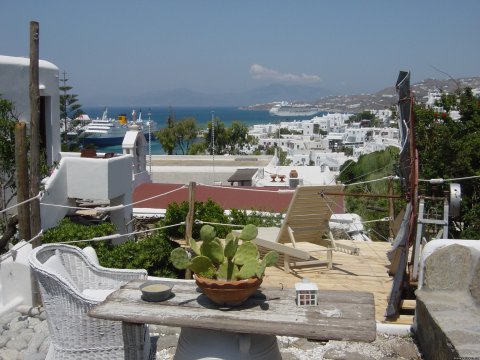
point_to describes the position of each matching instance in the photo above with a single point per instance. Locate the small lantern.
(307, 293)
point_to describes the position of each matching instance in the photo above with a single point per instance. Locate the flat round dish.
(155, 291)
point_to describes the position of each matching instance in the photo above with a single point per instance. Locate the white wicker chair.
(69, 286)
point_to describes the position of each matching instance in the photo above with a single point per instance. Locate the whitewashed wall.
(14, 83)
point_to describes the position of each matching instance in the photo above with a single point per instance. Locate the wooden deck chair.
(294, 254)
(305, 229)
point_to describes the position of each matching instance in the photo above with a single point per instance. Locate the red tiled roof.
(244, 198)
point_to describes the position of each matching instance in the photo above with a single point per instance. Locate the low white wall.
(15, 279)
(55, 193)
(90, 178)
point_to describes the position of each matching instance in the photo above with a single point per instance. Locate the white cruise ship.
(288, 109)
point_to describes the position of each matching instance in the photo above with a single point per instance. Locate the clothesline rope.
(117, 236)
(20, 203)
(13, 253)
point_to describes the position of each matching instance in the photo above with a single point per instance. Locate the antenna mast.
(213, 145)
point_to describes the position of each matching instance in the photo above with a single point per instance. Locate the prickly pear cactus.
(236, 260)
(227, 271)
(194, 246)
(261, 269)
(248, 269)
(249, 232)
(203, 266)
(246, 251)
(207, 233)
(229, 237)
(180, 259)
(231, 246)
(271, 258)
(213, 250)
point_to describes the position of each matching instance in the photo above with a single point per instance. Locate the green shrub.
(151, 253)
(240, 217)
(67, 230)
(208, 211)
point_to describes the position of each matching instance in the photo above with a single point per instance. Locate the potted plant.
(226, 273)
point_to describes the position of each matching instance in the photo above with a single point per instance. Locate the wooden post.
(34, 92)
(190, 219)
(21, 164)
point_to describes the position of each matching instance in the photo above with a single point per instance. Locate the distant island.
(383, 99)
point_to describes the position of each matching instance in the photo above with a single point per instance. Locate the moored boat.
(288, 109)
(109, 132)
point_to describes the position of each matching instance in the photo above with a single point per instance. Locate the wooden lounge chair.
(305, 233)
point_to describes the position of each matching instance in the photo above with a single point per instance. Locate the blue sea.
(202, 116)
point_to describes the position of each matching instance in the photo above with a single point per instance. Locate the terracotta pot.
(293, 174)
(228, 293)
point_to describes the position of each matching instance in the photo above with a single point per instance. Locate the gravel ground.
(384, 347)
(25, 337)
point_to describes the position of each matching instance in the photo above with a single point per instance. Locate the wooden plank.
(408, 304)
(401, 320)
(340, 315)
(366, 272)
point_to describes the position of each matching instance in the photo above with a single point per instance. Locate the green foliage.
(207, 233)
(69, 106)
(231, 246)
(213, 250)
(8, 119)
(282, 155)
(202, 265)
(205, 211)
(229, 262)
(151, 253)
(249, 269)
(450, 149)
(237, 137)
(370, 167)
(248, 233)
(241, 217)
(228, 140)
(286, 131)
(246, 251)
(67, 230)
(178, 135)
(197, 148)
(180, 259)
(365, 115)
(166, 136)
(220, 135)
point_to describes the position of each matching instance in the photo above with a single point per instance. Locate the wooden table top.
(339, 315)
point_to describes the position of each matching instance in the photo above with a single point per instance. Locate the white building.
(110, 179)
(334, 122)
(14, 84)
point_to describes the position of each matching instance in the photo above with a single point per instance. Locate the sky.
(119, 48)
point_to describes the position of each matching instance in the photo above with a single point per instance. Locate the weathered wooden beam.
(34, 92)
(21, 165)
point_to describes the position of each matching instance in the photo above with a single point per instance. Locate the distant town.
(383, 99)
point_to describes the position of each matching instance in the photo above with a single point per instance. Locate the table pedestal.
(196, 344)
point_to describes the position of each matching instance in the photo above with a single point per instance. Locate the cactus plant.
(238, 259)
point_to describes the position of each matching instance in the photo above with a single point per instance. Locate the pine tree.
(69, 106)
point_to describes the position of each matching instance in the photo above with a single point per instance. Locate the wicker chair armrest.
(99, 277)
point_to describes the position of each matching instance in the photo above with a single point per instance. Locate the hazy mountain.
(262, 97)
(274, 92)
(387, 97)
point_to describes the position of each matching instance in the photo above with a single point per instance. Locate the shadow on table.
(256, 300)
